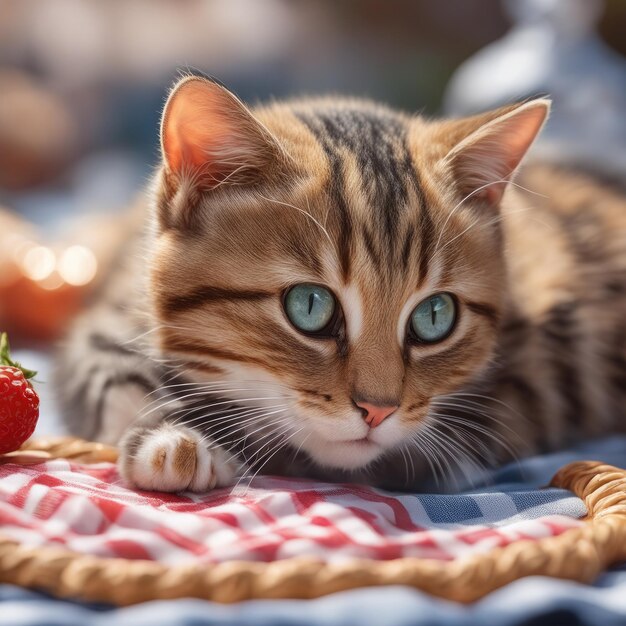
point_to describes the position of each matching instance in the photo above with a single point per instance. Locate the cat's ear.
(209, 137)
(490, 147)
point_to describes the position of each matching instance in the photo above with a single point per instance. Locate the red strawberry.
(19, 403)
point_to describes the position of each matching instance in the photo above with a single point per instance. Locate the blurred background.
(82, 84)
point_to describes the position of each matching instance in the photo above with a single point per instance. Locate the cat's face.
(320, 261)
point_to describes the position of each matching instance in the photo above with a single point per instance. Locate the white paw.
(174, 458)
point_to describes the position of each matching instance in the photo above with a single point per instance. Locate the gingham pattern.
(88, 509)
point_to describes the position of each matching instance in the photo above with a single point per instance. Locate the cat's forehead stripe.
(426, 230)
(344, 247)
(377, 140)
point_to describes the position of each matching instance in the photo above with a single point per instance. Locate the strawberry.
(19, 403)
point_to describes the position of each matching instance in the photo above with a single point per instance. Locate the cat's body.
(208, 363)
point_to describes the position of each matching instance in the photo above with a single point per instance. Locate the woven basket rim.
(579, 554)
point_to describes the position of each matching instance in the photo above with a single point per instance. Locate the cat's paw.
(173, 458)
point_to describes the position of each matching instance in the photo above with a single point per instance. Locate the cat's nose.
(374, 414)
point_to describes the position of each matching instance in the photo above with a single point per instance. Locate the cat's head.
(333, 262)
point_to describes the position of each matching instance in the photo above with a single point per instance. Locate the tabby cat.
(337, 289)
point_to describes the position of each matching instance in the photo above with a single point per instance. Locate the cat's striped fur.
(189, 356)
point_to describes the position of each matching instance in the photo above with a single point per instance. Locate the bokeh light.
(77, 266)
(38, 263)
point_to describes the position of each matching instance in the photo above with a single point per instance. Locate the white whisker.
(267, 459)
(308, 215)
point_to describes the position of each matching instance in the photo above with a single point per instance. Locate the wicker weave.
(578, 554)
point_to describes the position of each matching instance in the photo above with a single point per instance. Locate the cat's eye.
(311, 308)
(433, 319)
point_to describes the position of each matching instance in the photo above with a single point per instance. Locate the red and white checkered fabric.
(87, 508)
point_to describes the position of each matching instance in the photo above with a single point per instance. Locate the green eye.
(310, 308)
(433, 319)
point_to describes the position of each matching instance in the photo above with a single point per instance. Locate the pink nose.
(374, 415)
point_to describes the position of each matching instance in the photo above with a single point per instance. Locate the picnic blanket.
(537, 599)
(88, 509)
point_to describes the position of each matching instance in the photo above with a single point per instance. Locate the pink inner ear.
(188, 133)
(205, 132)
(494, 152)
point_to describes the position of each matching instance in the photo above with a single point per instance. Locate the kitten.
(340, 290)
